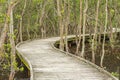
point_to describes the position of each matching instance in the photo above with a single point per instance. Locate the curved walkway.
(50, 64)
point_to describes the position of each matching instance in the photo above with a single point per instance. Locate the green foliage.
(7, 18)
(37, 1)
(21, 69)
(12, 35)
(15, 65)
(2, 17)
(8, 47)
(112, 11)
(17, 16)
(115, 74)
(6, 65)
(2, 1)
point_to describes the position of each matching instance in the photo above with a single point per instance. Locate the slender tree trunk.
(67, 21)
(94, 41)
(20, 30)
(21, 21)
(79, 28)
(111, 33)
(60, 25)
(66, 42)
(28, 32)
(12, 42)
(103, 45)
(13, 53)
(75, 30)
(41, 18)
(84, 27)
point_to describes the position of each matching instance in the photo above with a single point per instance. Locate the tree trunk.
(60, 25)
(79, 28)
(111, 33)
(21, 19)
(103, 45)
(94, 40)
(67, 21)
(75, 30)
(84, 27)
(11, 37)
(41, 18)
(13, 53)
(27, 29)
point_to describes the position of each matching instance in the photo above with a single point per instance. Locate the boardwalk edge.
(25, 58)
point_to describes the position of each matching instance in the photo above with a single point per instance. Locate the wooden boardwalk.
(46, 63)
